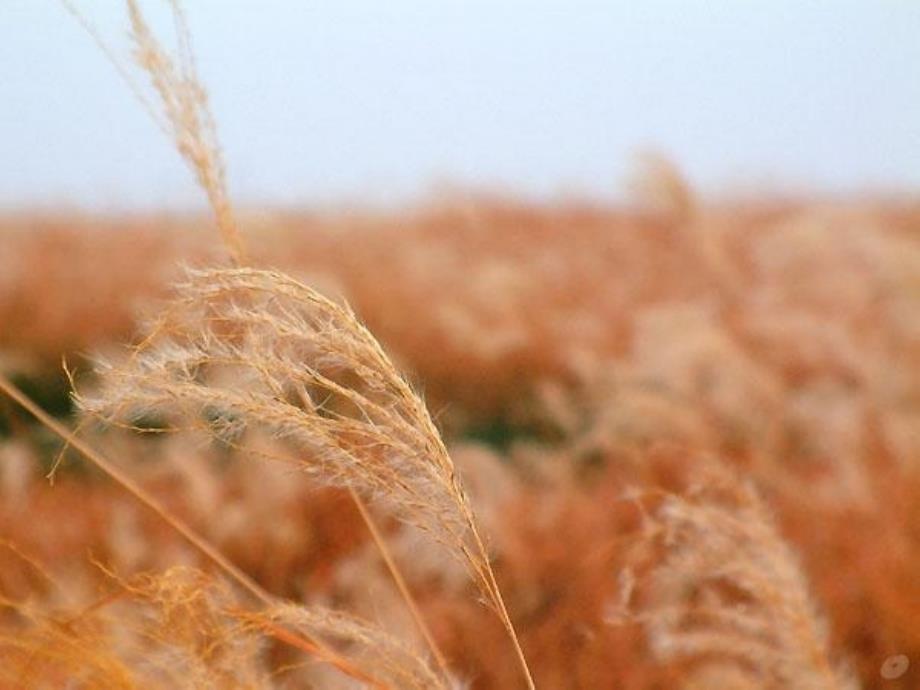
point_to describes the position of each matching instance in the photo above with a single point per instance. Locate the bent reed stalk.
(309, 372)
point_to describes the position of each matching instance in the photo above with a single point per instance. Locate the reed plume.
(727, 598)
(245, 349)
(242, 348)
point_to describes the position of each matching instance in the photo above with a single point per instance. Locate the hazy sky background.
(365, 101)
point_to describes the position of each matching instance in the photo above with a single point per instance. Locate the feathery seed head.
(242, 349)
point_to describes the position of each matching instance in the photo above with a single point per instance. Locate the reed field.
(475, 443)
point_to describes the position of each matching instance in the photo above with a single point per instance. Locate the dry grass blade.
(244, 348)
(728, 598)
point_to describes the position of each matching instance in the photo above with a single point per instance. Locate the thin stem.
(506, 619)
(141, 494)
(119, 67)
(499, 602)
(401, 585)
(311, 647)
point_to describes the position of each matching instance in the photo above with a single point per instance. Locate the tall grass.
(718, 336)
(321, 379)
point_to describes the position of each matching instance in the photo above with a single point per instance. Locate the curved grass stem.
(400, 581)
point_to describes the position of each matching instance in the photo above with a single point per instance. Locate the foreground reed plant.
(240, 348)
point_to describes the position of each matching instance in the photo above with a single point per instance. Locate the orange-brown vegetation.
(580, 361)
(670, 448)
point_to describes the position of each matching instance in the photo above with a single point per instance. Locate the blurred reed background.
(686, 414)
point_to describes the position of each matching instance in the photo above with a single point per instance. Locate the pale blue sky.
(367, 101)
